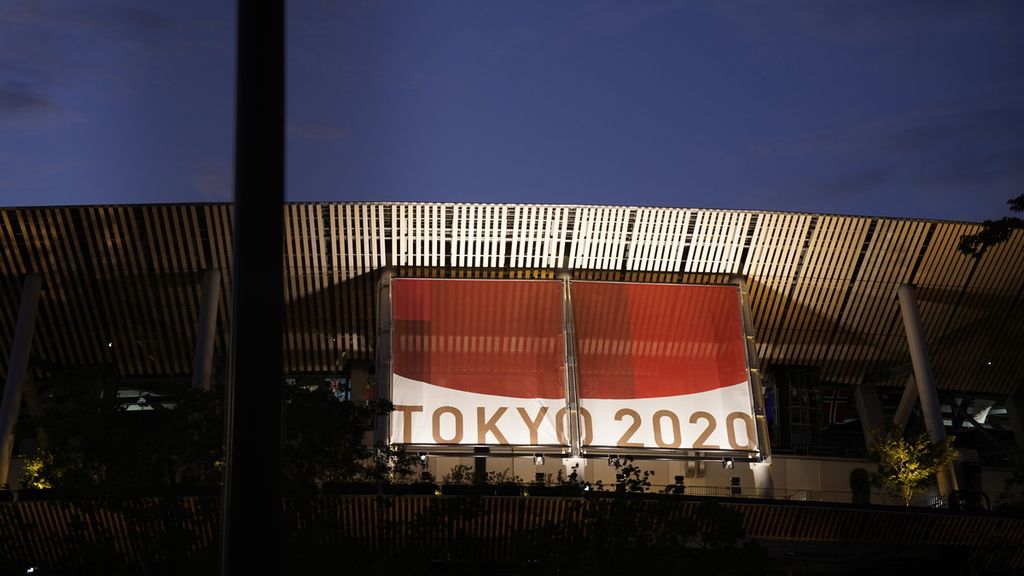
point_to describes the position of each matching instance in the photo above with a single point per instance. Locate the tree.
(98, 447)
(908, 465)
(324, 438)
(994, 231)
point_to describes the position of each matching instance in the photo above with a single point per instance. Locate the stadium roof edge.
(508, 204)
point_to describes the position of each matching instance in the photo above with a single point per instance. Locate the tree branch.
(993, 232)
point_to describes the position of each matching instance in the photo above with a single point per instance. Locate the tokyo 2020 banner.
(477, 362)
(662, 366)
(482, 362)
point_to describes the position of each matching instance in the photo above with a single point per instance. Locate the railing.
(182, 532)
(744, 492)
(793, 495)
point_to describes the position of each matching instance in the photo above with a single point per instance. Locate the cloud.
(17, 98)
(316, 132)
(616, 19)
(863, 182)
(970, 147)
(961, 123)
(31, 64)
(960, 159)
(213, 181)
(122, 22)
(868, 21)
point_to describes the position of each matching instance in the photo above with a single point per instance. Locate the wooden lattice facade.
(122, 284)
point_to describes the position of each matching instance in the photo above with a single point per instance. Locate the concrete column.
(17, 368)
(202, 365)
(906, 406)
(480, 465)
(868, 408)
(930, 407)
(35, 409)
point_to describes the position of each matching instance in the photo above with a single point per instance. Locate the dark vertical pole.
(251, 539)
(17, 369)
(206, 332)
(480, 465)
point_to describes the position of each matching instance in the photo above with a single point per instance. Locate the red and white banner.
(662, 366)
(478, 362)
(428, 414)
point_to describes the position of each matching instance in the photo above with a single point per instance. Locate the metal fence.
(796, 495)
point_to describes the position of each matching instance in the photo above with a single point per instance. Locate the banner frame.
(575, 448)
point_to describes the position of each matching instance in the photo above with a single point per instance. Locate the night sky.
(889, 108)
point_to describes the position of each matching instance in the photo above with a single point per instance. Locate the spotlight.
(613, 460)
(538, 459)
(423, 457)
(727, 463)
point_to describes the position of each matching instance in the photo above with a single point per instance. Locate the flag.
(340, 387)
(833, 406)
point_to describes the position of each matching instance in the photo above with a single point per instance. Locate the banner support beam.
(762, 471)
(572, 396)
(382, 373)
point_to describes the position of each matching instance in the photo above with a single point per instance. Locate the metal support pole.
(382, 372)
(572, 396)
(252, 527)
(202, 365)
(763, 469)
(17, 369)
(926, 390)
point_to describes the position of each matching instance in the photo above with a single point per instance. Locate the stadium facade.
(846, 324)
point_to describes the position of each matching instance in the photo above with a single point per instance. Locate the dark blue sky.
(894, 108)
